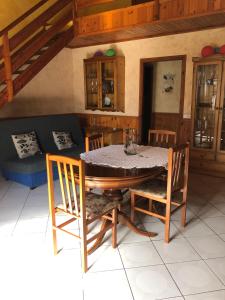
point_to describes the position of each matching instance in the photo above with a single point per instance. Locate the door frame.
(183, 58)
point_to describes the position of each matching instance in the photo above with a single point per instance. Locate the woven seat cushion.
(155, 187)
(96, 205)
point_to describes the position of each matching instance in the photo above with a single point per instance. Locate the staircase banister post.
(7, 65)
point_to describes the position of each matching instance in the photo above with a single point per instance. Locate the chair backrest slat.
(162, 138)
(178, 162)
(74, 189)
(62, 186)
(93, 142)
(68, 191)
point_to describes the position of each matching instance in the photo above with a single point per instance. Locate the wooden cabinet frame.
(118, 82)
(212, 159)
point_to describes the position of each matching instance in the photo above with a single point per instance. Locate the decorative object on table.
(130, 145)
(110, 52)
(168, 82)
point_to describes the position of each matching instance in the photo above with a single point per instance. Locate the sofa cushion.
(37, 163)
(29, 164)
(63, 140)
(26, 144)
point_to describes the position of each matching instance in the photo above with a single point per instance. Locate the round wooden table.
(109, 178)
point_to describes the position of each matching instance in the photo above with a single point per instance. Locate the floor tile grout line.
(206, 292)
(168, 270)
(217, 234)
(126, 274)
(10, 184)
(202, 259)
(217, 276)
(29, 191)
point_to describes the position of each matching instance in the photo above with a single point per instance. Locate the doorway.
(162, 82)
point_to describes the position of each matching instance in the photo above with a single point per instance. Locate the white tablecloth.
(114, 156)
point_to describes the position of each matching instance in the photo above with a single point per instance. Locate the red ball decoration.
(222, 50)
(207, 51)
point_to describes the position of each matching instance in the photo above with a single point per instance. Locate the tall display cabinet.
(208, 116)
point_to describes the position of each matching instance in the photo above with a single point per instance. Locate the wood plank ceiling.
(152, 19)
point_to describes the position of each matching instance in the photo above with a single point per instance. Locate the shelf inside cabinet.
(205, 105)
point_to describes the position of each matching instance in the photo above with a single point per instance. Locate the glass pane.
(92, 85)
(222, 138)
(108, 84)
(206, 92)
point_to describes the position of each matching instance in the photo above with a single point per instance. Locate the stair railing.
(15, 51)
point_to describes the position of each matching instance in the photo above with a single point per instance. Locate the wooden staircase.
(24, 54)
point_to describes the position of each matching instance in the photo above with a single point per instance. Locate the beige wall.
(189, 44)
(50, 92)
(166, 102)
(59, 87)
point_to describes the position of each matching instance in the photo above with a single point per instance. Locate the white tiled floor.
(190, 267)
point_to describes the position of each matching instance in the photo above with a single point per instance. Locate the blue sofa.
(31, 171)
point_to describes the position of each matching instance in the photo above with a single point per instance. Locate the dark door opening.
(162, 94)
(147, 100)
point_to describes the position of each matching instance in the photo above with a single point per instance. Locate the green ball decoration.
(110, 52)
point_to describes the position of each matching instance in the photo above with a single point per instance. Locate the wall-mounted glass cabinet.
(104, 83)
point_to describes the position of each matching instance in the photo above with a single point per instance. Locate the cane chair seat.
(96, 205)
(156, 187)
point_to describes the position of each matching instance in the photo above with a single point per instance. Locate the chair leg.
(167, 222)
(54, 240)
(84, 252)
(114, 228)
(132, 211)
(184, 209)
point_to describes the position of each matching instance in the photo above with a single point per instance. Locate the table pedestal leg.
(122, 218)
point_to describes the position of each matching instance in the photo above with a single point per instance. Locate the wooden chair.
(93, 142)
(167, 192)
(162, 138)
(78, 205)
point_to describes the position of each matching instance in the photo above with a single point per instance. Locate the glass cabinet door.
(221, 128)
(92, 85)
(207, 78)
(108, 84)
